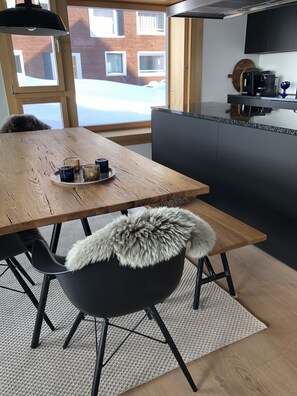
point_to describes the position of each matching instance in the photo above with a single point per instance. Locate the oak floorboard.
(264, 364)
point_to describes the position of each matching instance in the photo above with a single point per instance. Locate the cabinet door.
(256, 182)
(257, 32)
(283, 29)
(185, 144)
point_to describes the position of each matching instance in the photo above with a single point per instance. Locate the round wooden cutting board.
(239, 68)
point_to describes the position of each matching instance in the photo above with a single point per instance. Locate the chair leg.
(55, 237)
(73, 329)
(173, 347)
(198, 283)
(41, 311)
(22, 271)
(99, 358)
(228, 275)
(29, 293)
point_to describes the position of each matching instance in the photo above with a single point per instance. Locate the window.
(19, 61)
(150, 22)
(115, 63)
(105, 22)
(151, 63)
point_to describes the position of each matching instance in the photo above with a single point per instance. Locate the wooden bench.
(230, 233)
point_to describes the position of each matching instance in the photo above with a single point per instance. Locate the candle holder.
(91, 172)
(103, 163)
(66, 174)
(72, 161)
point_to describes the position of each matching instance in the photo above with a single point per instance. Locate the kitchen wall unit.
(251, 168)
(273, 30)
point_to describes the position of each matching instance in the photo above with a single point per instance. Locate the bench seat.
(231, 234)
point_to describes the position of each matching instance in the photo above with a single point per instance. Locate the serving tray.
(79, 180)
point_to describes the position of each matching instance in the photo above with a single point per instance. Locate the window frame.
(124, 62)
(77, 57)
(151, 53)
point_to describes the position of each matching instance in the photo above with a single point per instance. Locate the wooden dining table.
(30, 198)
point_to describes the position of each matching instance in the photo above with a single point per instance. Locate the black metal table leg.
(86, 227)
(41, 311)
(55, 237)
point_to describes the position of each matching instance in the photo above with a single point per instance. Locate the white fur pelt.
(144, 239)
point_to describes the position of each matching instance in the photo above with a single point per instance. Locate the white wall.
(3, 102)
(223, 47)
(284, 65)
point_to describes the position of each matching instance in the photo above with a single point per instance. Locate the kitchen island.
(247, 156)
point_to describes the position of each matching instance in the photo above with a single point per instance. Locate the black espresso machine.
(256, 82)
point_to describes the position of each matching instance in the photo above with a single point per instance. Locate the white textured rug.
(51, 371)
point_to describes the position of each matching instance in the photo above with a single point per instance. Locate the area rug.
(51, 371)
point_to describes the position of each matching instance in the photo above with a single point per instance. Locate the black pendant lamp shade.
(31, 19)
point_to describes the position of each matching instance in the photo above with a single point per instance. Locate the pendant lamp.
(31, 19)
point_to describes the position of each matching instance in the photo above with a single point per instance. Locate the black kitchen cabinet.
(251, 172)
(257, 32)
(190, 145)
(273, 30)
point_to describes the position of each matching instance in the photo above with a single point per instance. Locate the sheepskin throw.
(144, 239)
(23, 123)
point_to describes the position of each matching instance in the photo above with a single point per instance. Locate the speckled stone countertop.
(274, 120)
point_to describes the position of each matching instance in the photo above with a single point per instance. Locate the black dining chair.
(10, 246)
(130, 265)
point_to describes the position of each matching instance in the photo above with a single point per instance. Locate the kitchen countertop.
(275, 120)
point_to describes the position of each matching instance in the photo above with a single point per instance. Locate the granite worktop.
(274, 120)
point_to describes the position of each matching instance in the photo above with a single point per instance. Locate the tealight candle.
(72, 161)
(91, 172)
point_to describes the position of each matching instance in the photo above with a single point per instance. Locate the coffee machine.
(256, 82)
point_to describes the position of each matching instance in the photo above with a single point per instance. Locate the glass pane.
(114, 63)
(50, 113)
(35, 58)
(103, 94)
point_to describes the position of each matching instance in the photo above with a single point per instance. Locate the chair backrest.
(108, 289)
(10, 246)
(23, 123)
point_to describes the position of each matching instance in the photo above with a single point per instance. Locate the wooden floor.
(262, 364)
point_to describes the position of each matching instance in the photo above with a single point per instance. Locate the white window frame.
(150, 53)
(77, 57)
(123, 53)
(20, 54)
(93, 22)
(151, 32)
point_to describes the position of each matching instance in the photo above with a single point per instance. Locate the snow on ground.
(101, 102)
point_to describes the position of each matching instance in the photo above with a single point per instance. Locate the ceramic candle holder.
(91, 172)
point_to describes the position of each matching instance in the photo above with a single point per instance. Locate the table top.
(29, 198)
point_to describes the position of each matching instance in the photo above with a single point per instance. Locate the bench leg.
(228, 275)
(198, 283)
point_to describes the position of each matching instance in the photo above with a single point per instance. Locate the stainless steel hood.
(219, 9)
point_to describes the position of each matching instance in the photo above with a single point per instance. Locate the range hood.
(219, 9)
